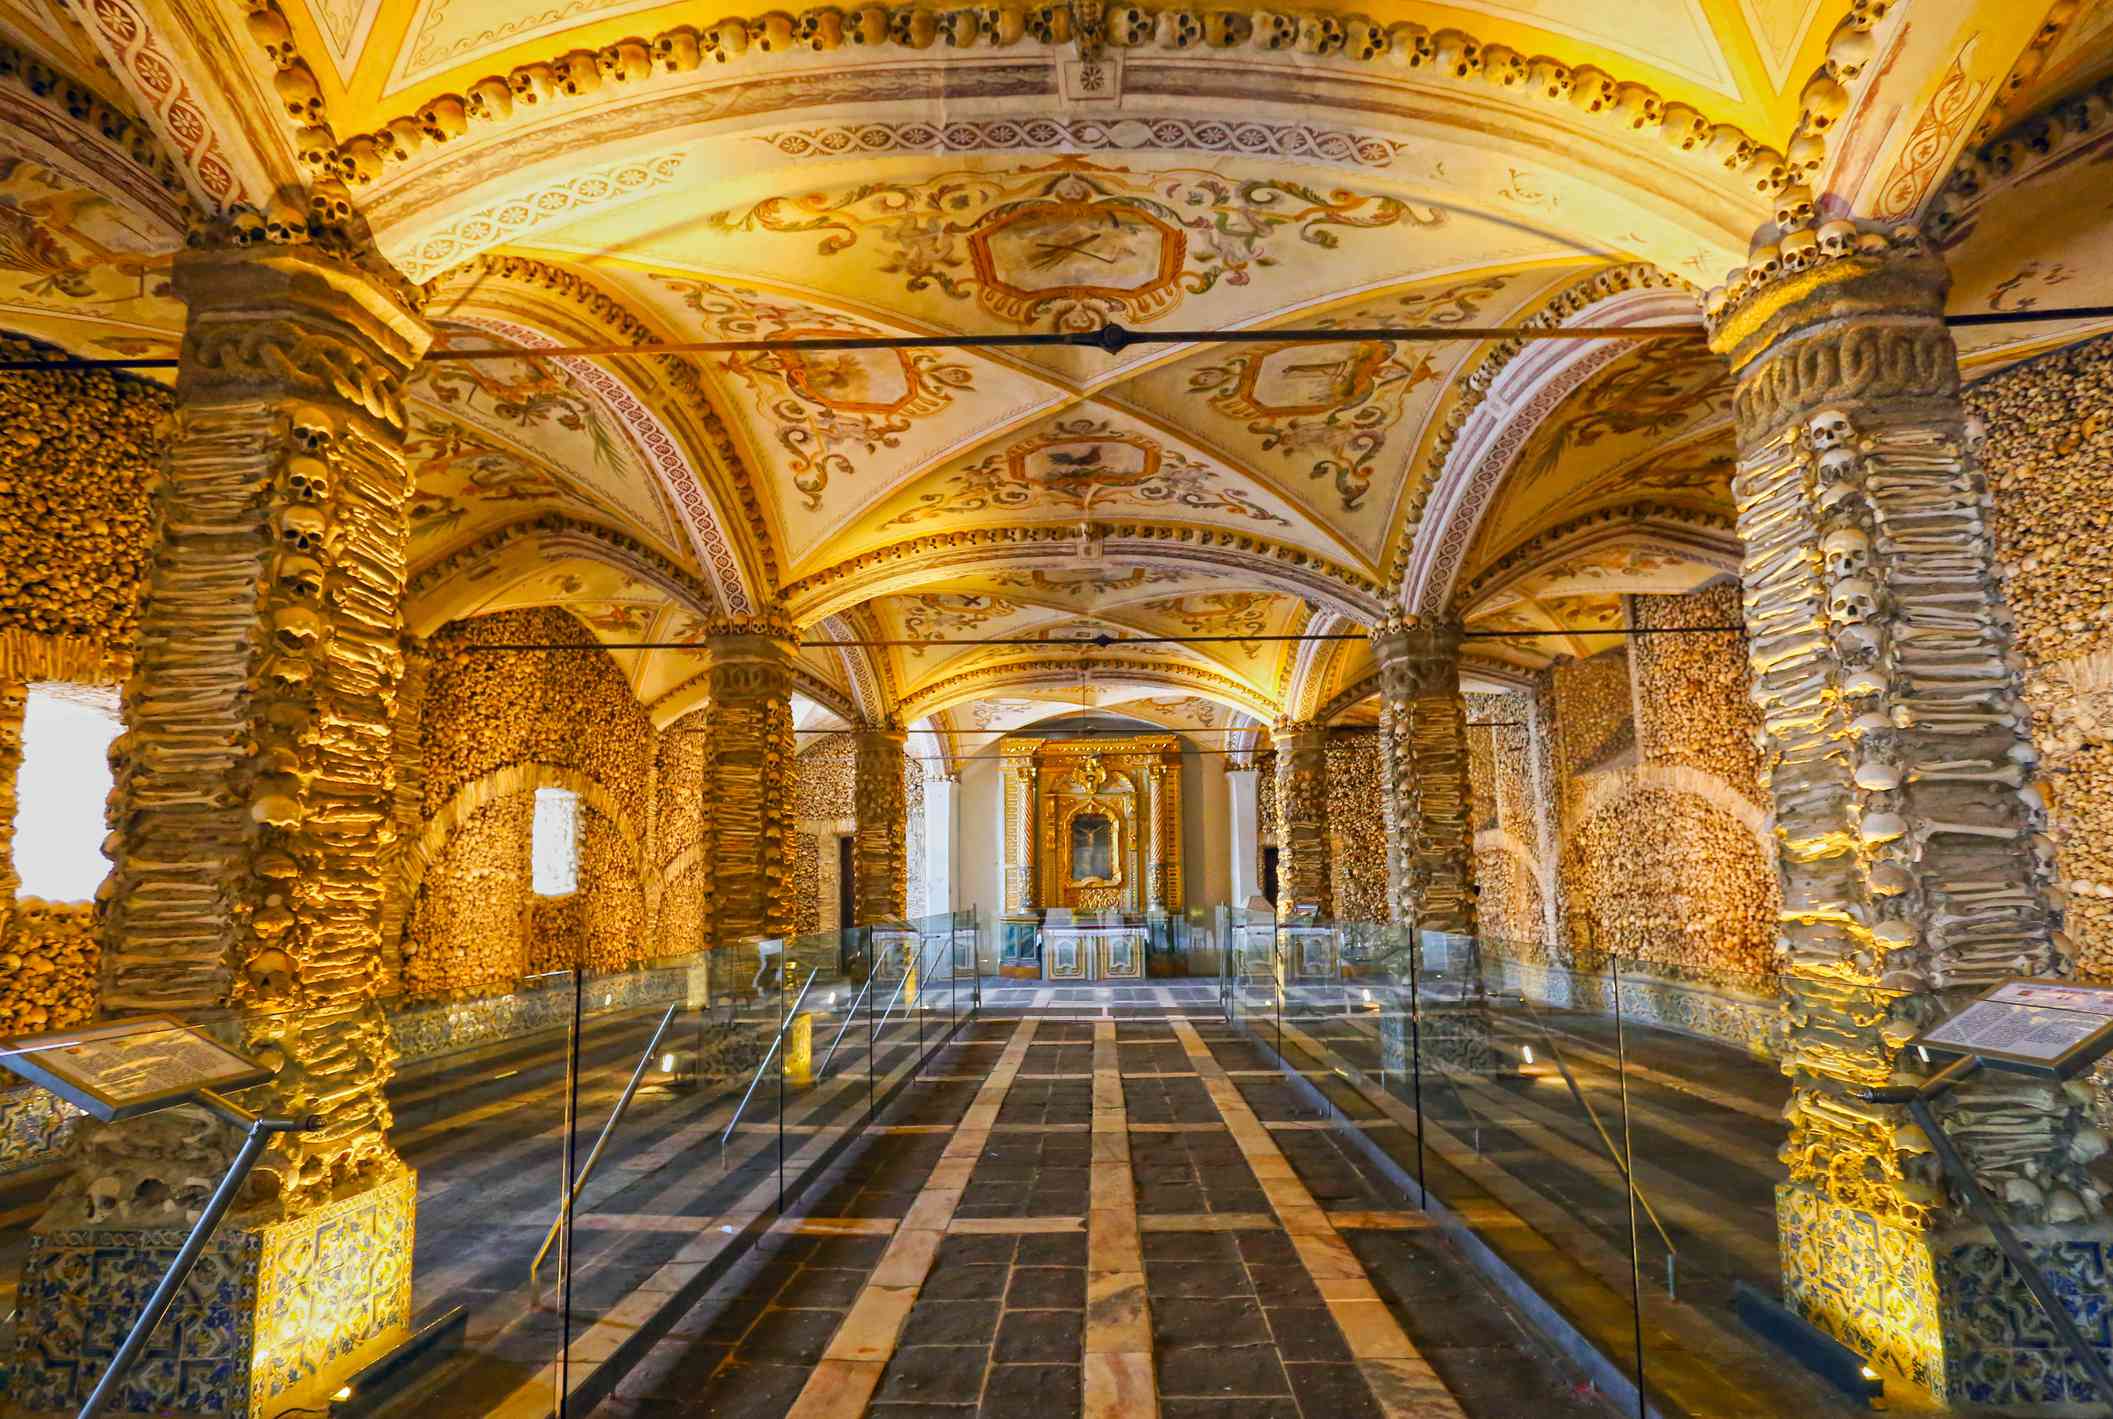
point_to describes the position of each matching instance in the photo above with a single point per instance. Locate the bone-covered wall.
(1647, 793)
(499, 725)
(1357, 821)
(78, 450)
(2050, 443)
(825, 805)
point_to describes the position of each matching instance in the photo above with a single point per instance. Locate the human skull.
(246, 226)
(1764, 261)
(1365, 41)
(302, 528)
(1318, 34)
(271, 972)
(1882, 827)
(772, 34)
(314, 428)
(1547, 79)
(1837, 239)
(444, 118)
(1877, 773)
(1830, 428)
(32, 914)
(104, 1195)
(1800, 250)
(1222, 29)
(1794, 207)
(1007, 24)
(1273, 31)
(298, 577)
(536, 83)
(306, 479)
(296, 629)
(297, 89)
(491, 100)
(1128, 26)
(913, 28)
(578, 76)
(1177, 29)
(1459, 55)
(869, 24)
(276, 810)
(1837, 465)
(358, 161)
(1853, 601)
(1975, 433)
(329, 204)
(1848, 553)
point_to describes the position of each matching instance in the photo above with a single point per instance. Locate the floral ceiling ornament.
(1086, 581)
(1334, 403)
(1079, 463)
(822, 402)
(1072, 243)
(1660, 390)
(933, 614)
(1220, 613)
(453, 468)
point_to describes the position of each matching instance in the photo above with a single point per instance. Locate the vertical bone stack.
(881, 801)
(1304, 874)
(745, 844)
(1896, 753)
(1423, 749)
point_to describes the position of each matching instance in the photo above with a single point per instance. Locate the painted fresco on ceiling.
(1639, 400)
(1328, 409)
(937, 615)
(1221, 613)
(1086, 581)
(1075, 464)
(532, 403)
(463, 482)
(1074, 244)
(74, 256)
(822, 405)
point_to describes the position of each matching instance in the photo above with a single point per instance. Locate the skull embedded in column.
(1853, 601)
(1830, 428)
(1847, 552)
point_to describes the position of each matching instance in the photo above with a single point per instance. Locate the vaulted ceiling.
(589, 172)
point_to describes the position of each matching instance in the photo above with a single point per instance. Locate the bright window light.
(555, 850)
(60, 791)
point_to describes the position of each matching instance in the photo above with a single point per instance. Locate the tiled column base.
(1948, 1311)
(275, 1317)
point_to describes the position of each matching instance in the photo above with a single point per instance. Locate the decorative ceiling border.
(1354, 693)
(424, 255)
(1296, 142)
(908, 564)
(680, 372)
(983, 680)
(1701, 537)
(1311, 665)
(1443, 56)
(554, 530)
(858, 665)
(57, 121)
(2061, 133)
(661, 450)
(1521, 391)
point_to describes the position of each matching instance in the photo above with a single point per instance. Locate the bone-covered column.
(882, 806)
(1304, 870)
(745, 843)
(255, 803)
(1898, 758)
(1423, 750)
(252, 824)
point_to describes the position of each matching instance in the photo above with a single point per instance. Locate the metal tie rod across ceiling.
(1112, 338)
(1107, 642)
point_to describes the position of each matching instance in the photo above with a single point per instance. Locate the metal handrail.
(616, 1114)
(770, 1054)
(1562, 1067)
(892, 1002)
(849, 1016)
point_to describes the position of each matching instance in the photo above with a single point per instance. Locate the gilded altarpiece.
(1093, 825)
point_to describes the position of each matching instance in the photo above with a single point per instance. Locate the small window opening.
(62, 789)
(555, 847)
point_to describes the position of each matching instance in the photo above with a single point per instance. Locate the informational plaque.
(124, 1068)
(2051, 1027)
